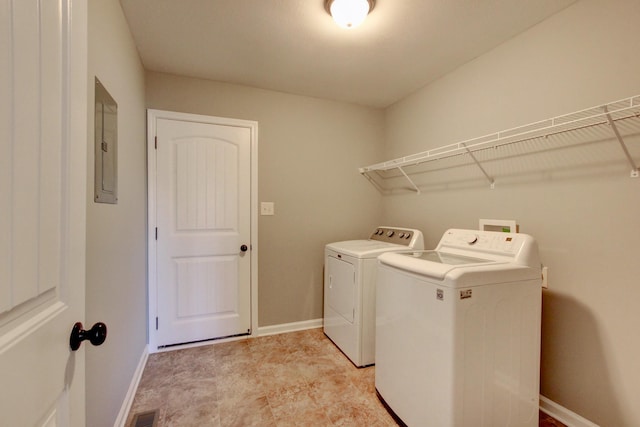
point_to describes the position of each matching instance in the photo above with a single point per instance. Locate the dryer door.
(341, 287)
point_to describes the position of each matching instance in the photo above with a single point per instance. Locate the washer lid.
(364, 248)
(448, 258)
(433, 264)
(455, 270)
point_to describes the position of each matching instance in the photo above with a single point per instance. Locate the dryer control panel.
(399, 236)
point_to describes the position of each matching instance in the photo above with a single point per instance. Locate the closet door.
(203, 217)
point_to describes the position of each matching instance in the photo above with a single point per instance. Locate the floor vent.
(145, 419)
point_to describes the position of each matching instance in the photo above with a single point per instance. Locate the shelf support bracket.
(373, 182)
(415, 187)
(492, 181)
(634, 169)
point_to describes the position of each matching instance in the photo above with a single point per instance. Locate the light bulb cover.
(349, 13)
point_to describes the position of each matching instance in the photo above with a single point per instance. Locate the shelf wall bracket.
(492, 182)
(415, 187)
(634, 169)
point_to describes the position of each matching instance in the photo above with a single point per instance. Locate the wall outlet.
(267, 208)
(545, 276)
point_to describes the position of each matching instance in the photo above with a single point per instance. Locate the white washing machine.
(349, 288)
(458, 331)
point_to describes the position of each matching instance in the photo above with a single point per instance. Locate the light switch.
(267, 208)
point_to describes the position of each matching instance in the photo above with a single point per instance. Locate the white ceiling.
(294, 46)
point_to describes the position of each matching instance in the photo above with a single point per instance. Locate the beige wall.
(308, 158)
(582, 210)
(116, 234)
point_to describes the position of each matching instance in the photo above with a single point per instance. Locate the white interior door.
(203, 220)
(43, 105)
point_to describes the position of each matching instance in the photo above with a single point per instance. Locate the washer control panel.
(487, 241)
(399, 236)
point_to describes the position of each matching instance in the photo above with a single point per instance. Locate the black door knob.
(244, 248)
(96, 335)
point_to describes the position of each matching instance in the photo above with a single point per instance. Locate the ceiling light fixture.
(349, 13)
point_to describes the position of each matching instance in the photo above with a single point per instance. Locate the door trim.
(152, 303)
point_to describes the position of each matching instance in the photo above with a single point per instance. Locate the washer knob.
(472, 239)
(390, 233)
(401, 235)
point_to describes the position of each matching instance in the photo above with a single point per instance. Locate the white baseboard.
(133, 387)
(563, 414)
(289, 327)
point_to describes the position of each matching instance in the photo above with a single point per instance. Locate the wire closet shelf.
(607, 114)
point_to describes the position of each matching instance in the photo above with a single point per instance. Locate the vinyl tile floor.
(294, 379)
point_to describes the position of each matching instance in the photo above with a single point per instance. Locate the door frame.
(152, 293)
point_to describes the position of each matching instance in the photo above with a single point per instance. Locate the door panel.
(33, 173)
(43, 201)
(206, 185)
(202, 286)
(342, 288)
(203, 214)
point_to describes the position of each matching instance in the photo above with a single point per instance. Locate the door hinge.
(156, 323)
(156, 233)
(156, 143)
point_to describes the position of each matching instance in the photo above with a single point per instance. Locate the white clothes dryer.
(458, 331)
(349, 288)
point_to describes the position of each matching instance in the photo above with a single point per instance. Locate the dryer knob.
(390, 233)
(472, 239)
